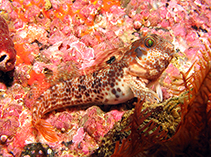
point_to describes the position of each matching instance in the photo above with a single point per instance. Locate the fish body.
(120, 80)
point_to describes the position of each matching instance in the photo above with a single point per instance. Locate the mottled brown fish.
(130, 76)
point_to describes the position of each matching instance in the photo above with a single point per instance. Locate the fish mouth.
(140, 52)
(141, 65)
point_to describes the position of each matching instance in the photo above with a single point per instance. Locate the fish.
(115, 81)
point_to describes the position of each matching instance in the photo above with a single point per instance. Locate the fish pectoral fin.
(46, 130)
(159, 91)
(155, 86)
(141, 91)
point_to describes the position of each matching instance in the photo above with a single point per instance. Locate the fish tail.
(46, 130)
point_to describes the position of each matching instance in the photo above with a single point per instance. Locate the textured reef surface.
(57, 40)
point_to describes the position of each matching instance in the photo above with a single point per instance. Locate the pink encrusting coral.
(57, 40)
(7, 51)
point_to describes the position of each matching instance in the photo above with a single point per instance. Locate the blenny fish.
(120, 80)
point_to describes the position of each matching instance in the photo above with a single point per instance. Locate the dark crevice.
(2, 58)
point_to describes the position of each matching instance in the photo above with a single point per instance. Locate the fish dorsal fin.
(106, 59)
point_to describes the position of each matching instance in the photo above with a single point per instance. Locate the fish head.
(150, 56)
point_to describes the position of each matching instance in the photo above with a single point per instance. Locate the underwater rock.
(37, 149)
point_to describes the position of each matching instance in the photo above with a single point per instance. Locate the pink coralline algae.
(8, 126)
(7, 51)
(83, 130)
(70, 49)
(10, 113)
(97, 124)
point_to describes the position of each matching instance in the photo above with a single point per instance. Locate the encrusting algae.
(132, 76)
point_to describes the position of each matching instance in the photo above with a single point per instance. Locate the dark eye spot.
(111, 60)
(149, 42)
(139, 52)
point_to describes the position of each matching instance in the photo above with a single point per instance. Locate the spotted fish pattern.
(131, 76)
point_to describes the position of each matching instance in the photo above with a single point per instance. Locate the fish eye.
(139, 52)
(149, 42)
